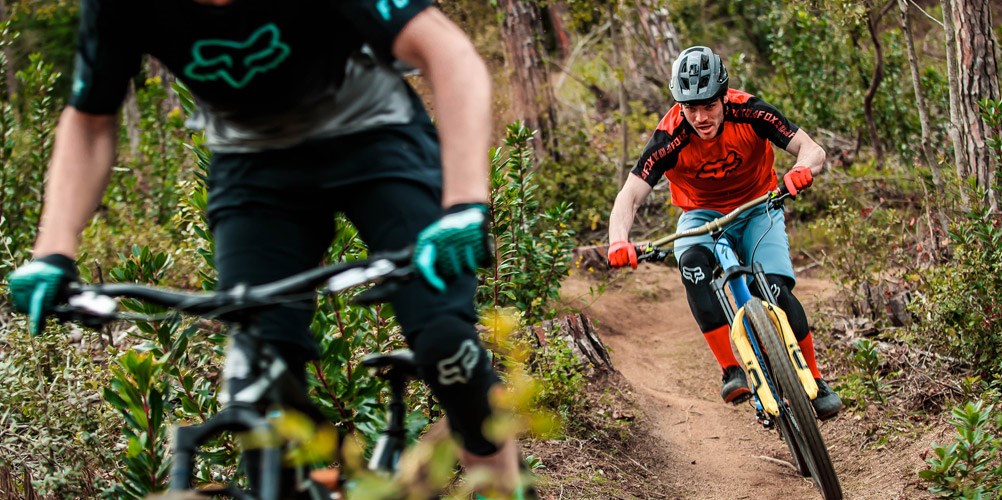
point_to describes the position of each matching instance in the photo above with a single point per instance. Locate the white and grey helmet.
(698, 75)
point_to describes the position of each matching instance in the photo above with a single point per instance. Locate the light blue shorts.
(757, 235)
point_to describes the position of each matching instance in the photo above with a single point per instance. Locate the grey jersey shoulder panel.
(372, 94)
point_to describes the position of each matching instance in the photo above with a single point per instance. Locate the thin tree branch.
(933, 19)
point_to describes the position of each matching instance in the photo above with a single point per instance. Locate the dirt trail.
(716, 451)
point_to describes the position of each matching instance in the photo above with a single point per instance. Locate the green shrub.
(25, 147)
(864, 246)
(969, 466)
(866, 360)
(532, 245)
(960, 302)
(561, 378)
(54, 425)
(139, 392)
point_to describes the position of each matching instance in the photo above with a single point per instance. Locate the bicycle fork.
(232, 418)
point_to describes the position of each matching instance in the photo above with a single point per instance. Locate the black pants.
(275, 238)
(273, 215)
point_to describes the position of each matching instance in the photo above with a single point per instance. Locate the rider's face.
(705, 118)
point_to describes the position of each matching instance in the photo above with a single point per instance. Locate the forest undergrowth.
(915, 250)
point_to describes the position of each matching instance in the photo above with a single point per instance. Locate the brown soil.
(685, 442)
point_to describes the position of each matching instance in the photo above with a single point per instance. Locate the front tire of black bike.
(804, 425)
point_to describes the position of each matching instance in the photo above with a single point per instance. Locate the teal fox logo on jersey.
(383, 6)
(237, 62)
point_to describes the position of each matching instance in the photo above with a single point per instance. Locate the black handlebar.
(87, 302)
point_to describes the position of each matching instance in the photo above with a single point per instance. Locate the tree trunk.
(521, 32)
(578, 331)
(974, 76)
(619, 68)
(658, 38)
(157, 68)
(873, 24)
(557, 12)
(906, 29)
(130, 114)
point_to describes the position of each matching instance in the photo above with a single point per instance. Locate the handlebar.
(95, 304)
(652, 252)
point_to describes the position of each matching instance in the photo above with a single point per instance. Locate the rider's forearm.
(82, 156)
(813, 158)
(462, 96)
(621, 218)
(809, 153)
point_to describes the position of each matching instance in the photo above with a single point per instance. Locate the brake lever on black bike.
(651, 253)
(87, 308)
(384, 287)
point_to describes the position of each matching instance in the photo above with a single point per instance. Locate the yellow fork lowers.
(747, 354)
(754, 369)
(778, 317)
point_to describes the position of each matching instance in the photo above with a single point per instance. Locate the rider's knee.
(696, 265)
(781, 289)
(457, 368)
(448, 352)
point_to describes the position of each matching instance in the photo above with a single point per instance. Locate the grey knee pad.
(457, 368)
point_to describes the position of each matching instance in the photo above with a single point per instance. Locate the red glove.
(797, 179)
(622, 253)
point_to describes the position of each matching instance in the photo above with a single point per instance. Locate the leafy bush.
(866, 360)
(561, 378)
(969, 466)
(852, 229)
(960, 304)
(55, 427)
(532, 245)
(25, 146)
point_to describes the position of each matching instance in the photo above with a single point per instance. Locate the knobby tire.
(792, 396)
(793, 443)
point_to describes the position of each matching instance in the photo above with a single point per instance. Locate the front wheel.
(787, 435)
(794, 404)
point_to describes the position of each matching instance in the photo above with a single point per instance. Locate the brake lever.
(651, 253)
(778, 197)
(87, 308)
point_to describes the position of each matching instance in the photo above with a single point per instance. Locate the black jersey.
(265, 73)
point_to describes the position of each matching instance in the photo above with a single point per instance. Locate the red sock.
(807, 348)
(720, 343)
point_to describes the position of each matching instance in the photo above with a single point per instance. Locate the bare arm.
(808, 152)
(461, 90)
(82, 157)
(634, 192)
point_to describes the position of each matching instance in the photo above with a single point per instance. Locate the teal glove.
(39, 285)
(458, 242)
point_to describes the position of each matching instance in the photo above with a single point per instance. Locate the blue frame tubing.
(736, 277)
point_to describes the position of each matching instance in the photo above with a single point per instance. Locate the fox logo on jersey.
(237, 62)
(720, 168)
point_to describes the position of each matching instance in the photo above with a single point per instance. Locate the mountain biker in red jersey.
(305, 109)
(714, 148)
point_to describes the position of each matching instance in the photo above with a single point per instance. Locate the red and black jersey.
(722, 173)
